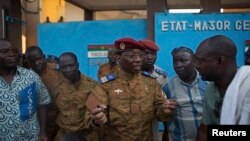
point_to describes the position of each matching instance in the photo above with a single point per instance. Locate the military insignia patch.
(107, 78)
(122, 46)
(118, 91)
(148, 74)
(161, 72)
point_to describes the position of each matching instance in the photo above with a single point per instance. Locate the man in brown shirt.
(124, 108)
(50, 77)
(111, 66)
(150, 68)
(70, 97)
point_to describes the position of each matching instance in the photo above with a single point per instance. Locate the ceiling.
(107, 5)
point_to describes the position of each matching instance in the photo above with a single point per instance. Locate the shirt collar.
(127, 76)
(193, 83)
(18, 71)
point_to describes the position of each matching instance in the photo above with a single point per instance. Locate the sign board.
(175, 30)
(97, 54)
(98, 51)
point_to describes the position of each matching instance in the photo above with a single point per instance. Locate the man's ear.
(221, 59)
(118, 60)
(118, 56)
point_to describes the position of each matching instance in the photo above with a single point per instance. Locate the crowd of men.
(54, 101)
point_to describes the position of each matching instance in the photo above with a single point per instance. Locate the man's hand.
(169, 106)
(98, 115)
(43, 136)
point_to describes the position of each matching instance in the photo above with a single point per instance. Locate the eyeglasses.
(133, 55)
(182, 49)
(217, 107)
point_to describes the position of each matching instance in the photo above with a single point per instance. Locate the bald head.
(219, 45)
(215, 58)
(32, 49)
(69, 54)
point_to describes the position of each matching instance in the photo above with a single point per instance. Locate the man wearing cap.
(111, 66)
(125, 107)
(149, 68)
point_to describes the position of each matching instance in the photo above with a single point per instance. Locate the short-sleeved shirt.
(189, 97)
(133, 101)
(212, 97)
(106, 69)
(18, 106)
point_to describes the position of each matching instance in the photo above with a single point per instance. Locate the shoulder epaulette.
(148, 74)
(161, 72)
(107, 78)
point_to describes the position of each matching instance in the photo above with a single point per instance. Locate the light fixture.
(184, 10)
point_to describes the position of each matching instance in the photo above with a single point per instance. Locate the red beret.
(148, 44)
(128, 43)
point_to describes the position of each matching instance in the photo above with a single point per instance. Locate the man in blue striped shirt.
(188, 89)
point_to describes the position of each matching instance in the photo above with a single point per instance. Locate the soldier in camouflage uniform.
(111, 66)
(71, 95)
(124, 108)
(150, 56)
(149, 67)
(50, 77)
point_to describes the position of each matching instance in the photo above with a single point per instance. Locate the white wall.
(73, 13)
